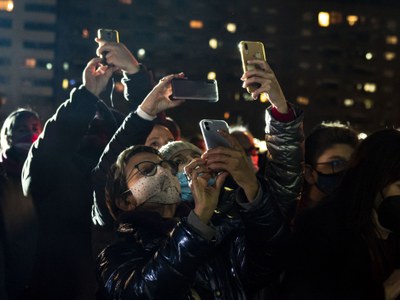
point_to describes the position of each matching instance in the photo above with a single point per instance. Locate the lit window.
(323, 19)
(30, 63)
(370, 87)
(362, 136)
(65, 84)
(231, 27)
(348, 102)
(85, 33)
(236, 97)
(126, 2)
(264, 97)
(7, 5)
(389, 55)
(49, 66)
(227, 115)
(359, 86)
(368, 56)
(368, 103)
(141, 53)
(352, 20)
(66, 66)
(213, 43)
(196, 24)
(303, 100)
(336, 17)
(391, 40)
(211, 75)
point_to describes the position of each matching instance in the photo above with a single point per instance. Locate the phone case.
(108, 35)
(209, 129)
(195, 89)
(249, 51)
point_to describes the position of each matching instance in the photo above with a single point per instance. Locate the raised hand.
(234, 161)
(265, 77)
(118, 55)
(158, 99)
(96, 76)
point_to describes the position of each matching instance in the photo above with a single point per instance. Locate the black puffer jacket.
(150, 262)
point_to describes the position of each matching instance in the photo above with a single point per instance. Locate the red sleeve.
(285, 118)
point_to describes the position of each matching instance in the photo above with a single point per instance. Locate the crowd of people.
(99, 205)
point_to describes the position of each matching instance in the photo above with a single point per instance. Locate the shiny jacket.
(152, 261)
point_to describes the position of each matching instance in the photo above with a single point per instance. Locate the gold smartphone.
(249, 51)
(108, 35)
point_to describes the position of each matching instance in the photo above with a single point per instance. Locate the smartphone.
(107, 35)
(209, 129)
(250, 51)
(194, 89)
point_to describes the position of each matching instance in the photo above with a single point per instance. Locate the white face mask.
(162, 188)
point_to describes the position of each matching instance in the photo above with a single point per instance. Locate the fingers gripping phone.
(209, 129)
(194, 89)
(251, 51)
(107, 35)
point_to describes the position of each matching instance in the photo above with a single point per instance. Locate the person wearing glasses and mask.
(328, 149)
(348, 247)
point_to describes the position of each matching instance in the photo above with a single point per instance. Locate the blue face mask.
(186, 192)
(327, 183)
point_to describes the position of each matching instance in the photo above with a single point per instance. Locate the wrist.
(149, 110)
(132, 69)
(282, 108)
(203, 214)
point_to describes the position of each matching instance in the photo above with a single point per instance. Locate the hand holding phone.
(106, 35)
(209, 129)
(251, 51)
(186, 89)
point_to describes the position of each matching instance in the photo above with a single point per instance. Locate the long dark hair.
(374, 165)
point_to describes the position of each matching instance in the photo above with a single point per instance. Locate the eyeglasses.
(335, 165)
(149, 168)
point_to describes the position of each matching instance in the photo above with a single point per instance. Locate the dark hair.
(324, 136)
(374, 165)
(172, 126)
(10, 122)
(116, 185)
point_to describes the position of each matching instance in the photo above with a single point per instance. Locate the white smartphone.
(209, 129)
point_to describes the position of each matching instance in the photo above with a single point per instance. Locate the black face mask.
(389, 213)
(327, 183)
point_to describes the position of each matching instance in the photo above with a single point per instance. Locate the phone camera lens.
(246, 47)
(206, 123)
(207, 128)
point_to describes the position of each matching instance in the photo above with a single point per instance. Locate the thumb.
(220, 180)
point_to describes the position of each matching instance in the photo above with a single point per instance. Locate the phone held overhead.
(210, 131)
(251, 51)
(107, 35)
(187, 89)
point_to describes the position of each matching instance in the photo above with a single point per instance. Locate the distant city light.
(264, 97)
(30, 63)
(352, 20)
(370, 87)
(72, 82)
(368, 56)
(126, 2)
(368, 103)
(66, 66)
(348, 102)
(303, 100)
(213, 43)
(65, 84)
(49, 66)
(391, 40)
(359, 86)
(196, 24)
(141, 53)
(85, 33)
(7, 5)
(231, 27)
(362, 136)
(236, 97)
(211, 75)
(323, 19)
(227, 115)
(389, 55)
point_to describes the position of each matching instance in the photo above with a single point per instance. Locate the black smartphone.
(107, 35)
(209, 129)
(187, 89)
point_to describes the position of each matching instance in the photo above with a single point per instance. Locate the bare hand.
(118, 55)
(158, 99)
(234, 161)
(392, 285)
(205, 196)
(268, 82)
(96, 76)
